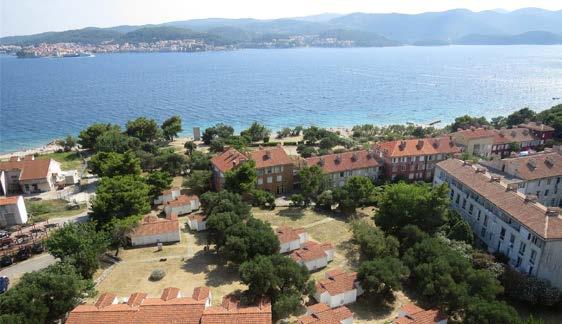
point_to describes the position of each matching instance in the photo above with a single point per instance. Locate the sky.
(23, 17)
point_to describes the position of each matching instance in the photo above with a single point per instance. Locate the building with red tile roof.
(12, 211)
(183, 204)
(197, 222)
(273, 166)
(514, 140)
(341, 166)
(412, 314)
(475, 141)
(505, 220)
(338, 288)
(313, 255)
(323, 314)
(138, 308)
(167, 196)
(152, 229)
(414, 159)
(29, 175)
(539, 130)
(231, 312)
(290, 239)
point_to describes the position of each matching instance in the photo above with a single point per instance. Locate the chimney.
(420, 144)
(552, 211)
(14, 158)
(234, 163)
(513, 133)
(531, 198)
(495, 179)
(402, 145)
(338, 159)
(550, 160)
(354, 156)
(321, 161)
(511, 186)
(532, 163)
(267, 155)
(480, 169)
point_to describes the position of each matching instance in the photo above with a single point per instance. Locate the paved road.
(38, 262)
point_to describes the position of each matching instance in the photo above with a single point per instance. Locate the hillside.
(535, 37)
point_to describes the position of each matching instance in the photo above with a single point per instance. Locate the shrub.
(297, 200)
(157, 274)
(528, 289)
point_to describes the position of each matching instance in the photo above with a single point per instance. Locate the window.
(485, 220)
(463, 203)
(458, 198)
(342, 174)
(260, 181)
(479, 212)
(522, 247)
(518, 263)
(403, 168)
(502, 234)
(548, 182)
(269, 179)
(483, 232)
(511, 240)
(533, 256)
(452, 194)
(470, 208)
(538, 193)
(279, 178)
(546, 192)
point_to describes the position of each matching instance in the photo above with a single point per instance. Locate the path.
(36, 263)
(322, 221)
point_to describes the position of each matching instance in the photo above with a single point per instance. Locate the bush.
(157, 274)
(263, 199)
(297, 200)
(528, 289)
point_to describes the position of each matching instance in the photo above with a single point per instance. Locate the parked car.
(6, 261)
(6, 241)
(4, 284)
(23, 254)
(37, 248)
(4, 233)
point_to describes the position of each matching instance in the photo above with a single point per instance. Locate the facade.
(290, 239)
(412, 314)
(314, 255)
(170, 307)
(505, 220)
(167, 195)
(152, 230)
(273, 166)
(537, 174)
(475, 141)
(197, 222)
(513, 140)
(322, 313)
(539, 130)
(339, 167)
(182, 205)
(338, 288)
(12, 211)
(414, 159)
(28, 175)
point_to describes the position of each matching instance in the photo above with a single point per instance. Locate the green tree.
(297, 200)
(325, 200)
(143, 128)
(285, 132)
(382, 276)
(190, 146)
(79, 244)
(158, 181)
(459, 229)
(313, 181)
(119, 230)
(404, 204)
(499, 122)
(410, 235)
(172, 162)
(553, 117)
(199, 161)
(89, 136)
(328, 143)
(112, 141)
(263, 199)
(218, 131)
(68, 143)
(171, 127)
(217, 145)
(120, 197)
(199, 181)
(467, 121)
(306, 151)
(223, 210)
(110, 164)
(245, 240)
(480, 311)
(256, 132)
(357, 191)
(242, 179)
(520, 117)
(373, 242)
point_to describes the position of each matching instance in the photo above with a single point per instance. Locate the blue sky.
(21, 17)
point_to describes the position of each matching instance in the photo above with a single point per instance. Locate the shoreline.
(50, 147)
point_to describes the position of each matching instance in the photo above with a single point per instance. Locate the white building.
(537, 174)
(167, 195)
(12, 211)
(339, 288)
(314, 255)
(197, 222)
(182, 205)
(322, 313)
(505, 220)
(152, 230)
(412, 314)
(290, 239)
(28, 176)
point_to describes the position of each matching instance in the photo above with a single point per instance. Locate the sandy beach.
(45, 149)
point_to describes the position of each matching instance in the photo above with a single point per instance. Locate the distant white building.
(505, 220)
(339, 288)
(314, 255)
(152, 230)
(167, 195)
(12, 211)
(290, 239)
(182, 205)
(197, 222)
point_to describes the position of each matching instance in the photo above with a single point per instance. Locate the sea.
(47, 98)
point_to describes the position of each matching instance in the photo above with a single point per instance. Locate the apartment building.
(27, 175)
(505, 220)
(475, 141)
(339, 167)
(537, 174)
(539, 130)
(414, 159)
(513, 140)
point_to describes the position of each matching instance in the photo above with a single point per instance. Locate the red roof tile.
(417, 315)
(311, 251)
(346, 161)
(228, 159)
(540, 127)
(286, 234)
(270, 156)
(182, 200)
(198, 217)
(30, 169)
(9, 200)
(517, 135)
(415, 147)
(230, 312)
(152, 225)
(323, 314)
(337, 282)
(536, 166)
(475, 133)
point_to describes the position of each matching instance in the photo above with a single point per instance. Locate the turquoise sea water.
(43, 99)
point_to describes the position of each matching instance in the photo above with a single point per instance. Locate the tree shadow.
(217, 271)
(293, 213)
(351, 253)
(372, 308)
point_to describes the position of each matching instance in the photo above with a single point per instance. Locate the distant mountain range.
(459, 26)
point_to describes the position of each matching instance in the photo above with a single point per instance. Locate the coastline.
(50, 147)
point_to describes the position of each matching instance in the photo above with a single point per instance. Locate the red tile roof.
(198, 217)
(346, 161)
(270, 156)
(311, 251)
(152, 225)
(531, 215)
(169, 191)
(182, 200)
(417, 315)
(537, 127)
(171, 307)
(475, 133)
(323, 314)
(517, 135)
(415, 147)
(9, 200)
(230, 312)
(30, 169)
(228, 159)
(536, 166)
(337, 282)
(287, 234)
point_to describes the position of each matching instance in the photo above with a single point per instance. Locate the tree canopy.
(256, 132)
(241, 179)
(199, 181)
(357, 191)
(382, 276)
(158, 181)
(110, 164)
(220, 130)
(143, 128)
(520, 116)
(245, 240)
(89, 136)
(171, 127)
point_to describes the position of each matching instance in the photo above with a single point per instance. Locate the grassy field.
(68, 160)
(40, 210)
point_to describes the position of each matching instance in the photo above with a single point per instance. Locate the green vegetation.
(113, 164)
(199, 181)
(171, 127)
(219, 131)
(242, 179)
(67, 160)
(158, 181)
(256, 132)
(41, 210)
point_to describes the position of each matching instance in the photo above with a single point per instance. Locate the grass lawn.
(68, 160)
(40, 210)
(286, 216)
